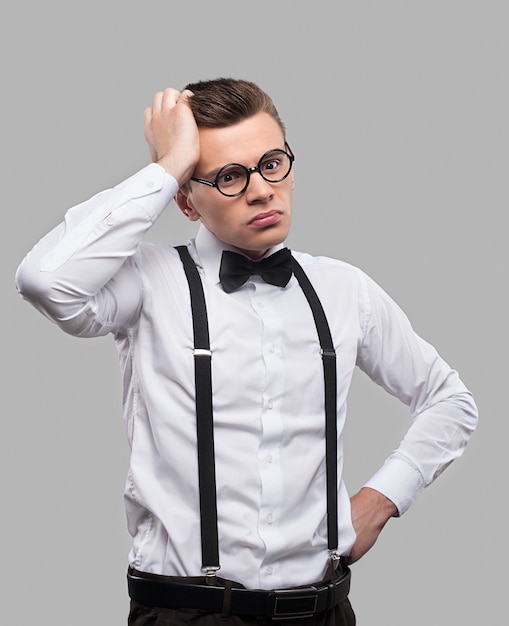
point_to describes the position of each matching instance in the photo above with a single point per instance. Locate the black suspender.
(330, 378)
(204, 419)
(204, 414)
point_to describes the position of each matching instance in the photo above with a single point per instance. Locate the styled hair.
(223, 102)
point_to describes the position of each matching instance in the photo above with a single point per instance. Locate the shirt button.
(270, 518)
(270, 571)
(269, 458)
(272, 348)
(270, 404)
(109, 220)
(150, 184)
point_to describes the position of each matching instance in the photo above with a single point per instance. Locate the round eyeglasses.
(233, 179)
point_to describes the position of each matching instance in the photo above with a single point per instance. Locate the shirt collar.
(207, 250)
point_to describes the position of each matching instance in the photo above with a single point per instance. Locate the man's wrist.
(383, 505)
(174, 169)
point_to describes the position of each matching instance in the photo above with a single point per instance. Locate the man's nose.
(257, 185)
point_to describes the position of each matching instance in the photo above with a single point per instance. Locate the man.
(257, 525)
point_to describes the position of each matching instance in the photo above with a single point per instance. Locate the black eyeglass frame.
(249, 171)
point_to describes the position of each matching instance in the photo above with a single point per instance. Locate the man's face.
(259, 218)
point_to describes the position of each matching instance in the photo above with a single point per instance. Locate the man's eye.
(230, 176)
(271, 165)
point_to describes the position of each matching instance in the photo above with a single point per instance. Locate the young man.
(236, 447)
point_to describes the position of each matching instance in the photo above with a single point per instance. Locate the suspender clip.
(211, 574)
(335, 559)
(328, 352)
(201, 352)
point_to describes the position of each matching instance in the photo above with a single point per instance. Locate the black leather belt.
(277, 604)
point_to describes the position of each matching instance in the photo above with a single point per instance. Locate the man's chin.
(258, 245)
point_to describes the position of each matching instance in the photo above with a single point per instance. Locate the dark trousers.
(142, 615)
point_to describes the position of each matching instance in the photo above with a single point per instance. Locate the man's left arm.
(443, 410)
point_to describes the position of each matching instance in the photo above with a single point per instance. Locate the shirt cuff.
(152, 188)
(399, 481)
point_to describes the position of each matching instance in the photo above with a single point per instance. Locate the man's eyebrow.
(213, 173)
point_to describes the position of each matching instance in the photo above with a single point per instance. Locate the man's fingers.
(185, 95)
(149, 135)
(147, 121)
(156, 103)
(169, 98)
(171, 132)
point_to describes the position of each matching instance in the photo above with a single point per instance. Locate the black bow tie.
(236, 269)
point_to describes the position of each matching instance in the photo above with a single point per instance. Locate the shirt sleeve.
(443, 410)
(80, 274)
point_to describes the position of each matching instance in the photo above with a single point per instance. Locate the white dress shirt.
(94, 275)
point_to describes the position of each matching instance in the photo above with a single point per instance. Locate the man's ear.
(185, 204)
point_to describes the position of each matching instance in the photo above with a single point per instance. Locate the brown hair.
(226, 101)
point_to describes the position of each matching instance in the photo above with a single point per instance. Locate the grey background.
(397, 112)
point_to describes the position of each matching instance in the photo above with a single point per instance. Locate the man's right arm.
(79, 275)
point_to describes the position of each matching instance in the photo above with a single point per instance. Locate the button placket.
(269, 450)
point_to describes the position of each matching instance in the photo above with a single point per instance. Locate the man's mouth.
(267, 218)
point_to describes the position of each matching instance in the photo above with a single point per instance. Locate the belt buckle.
(294, 603)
